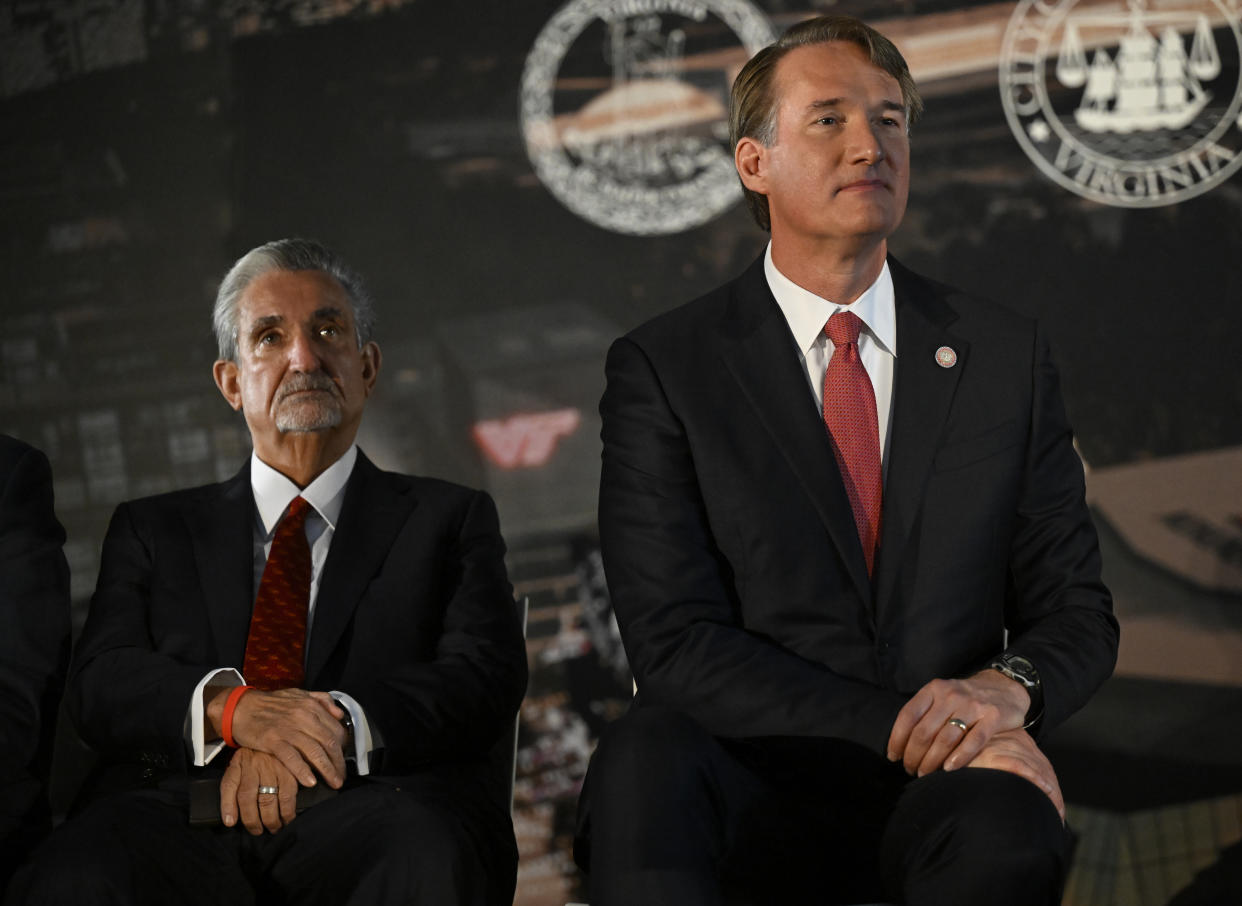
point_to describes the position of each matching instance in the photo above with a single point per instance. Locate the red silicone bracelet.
(230, 705)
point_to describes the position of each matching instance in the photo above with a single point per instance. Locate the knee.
(650, 750)
(1012, 820)
(426, 852)
(988, 832)
(652, 779)
(72, 868)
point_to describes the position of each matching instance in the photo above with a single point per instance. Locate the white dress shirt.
(273, 492)
(807, 314)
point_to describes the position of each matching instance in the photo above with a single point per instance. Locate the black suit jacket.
(730, 549)
(415, 619)
(34, 645)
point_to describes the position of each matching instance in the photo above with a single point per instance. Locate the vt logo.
(525, 440)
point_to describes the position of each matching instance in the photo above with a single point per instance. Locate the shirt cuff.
(364, 742)
(204, 749)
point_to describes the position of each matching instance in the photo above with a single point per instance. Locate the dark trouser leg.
(975, 836)
(656, 824)
(680, 817)
(677, 816)
(133, 848)
(375, 845)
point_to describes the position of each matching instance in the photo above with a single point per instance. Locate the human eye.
(330, 331)
(828, 119)
(267, 338)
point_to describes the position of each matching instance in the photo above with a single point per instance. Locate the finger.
(971, 744)
(1041, 775)
(295, 762)
(329, 703)
(1058, 800)
(269, 803)
(945, 742)
(330, 762)
(288, 798)
(910, 714)
(1022, 767)
(924, 736)
(248, 807)
(228, 795)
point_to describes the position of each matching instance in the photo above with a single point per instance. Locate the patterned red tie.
(849, 413)
(278, 624)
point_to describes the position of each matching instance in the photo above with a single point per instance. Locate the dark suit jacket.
(731, 553)
(414, 619)
(34, 645)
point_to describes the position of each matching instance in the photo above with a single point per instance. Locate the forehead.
(292, 296)
(835, 69)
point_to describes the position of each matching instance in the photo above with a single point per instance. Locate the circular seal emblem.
(946, 357)
(624, 108)
(1137, 106)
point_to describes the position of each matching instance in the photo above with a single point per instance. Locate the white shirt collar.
(807, 313)
(273, 491)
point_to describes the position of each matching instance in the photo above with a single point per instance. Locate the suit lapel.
(759, 351)
(376, 506)
(222, 532)
(922, 394)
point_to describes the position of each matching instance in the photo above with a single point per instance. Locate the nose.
(865, 146)
(303, 353)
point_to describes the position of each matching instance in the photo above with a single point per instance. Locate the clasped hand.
(972, 722)
(285, 739)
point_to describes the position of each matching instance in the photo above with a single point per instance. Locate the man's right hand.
(300, 729)
(1016, 752)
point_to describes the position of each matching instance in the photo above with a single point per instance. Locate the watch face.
(1019, 663)
(1022, 667)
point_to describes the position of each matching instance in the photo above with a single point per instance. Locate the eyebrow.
(330, 311)
(836, 102)
(264, 322)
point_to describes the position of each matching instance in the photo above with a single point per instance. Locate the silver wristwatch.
(1021, 670)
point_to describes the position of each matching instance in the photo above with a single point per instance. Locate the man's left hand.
(928, 733)
(244, 792)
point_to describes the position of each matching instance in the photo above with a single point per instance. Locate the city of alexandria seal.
(1134, 105)
(624, 109)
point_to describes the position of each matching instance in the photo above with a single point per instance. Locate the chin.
(308, 419)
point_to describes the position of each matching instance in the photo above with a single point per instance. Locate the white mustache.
(299, 382)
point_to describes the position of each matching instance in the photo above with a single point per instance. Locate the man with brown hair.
(845, 533)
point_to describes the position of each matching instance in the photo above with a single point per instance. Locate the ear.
(371, 358)
(225, 373)
(751, 158)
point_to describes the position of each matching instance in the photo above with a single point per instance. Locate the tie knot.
(297, 511)
(843, 328)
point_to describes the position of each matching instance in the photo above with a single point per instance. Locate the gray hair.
(287, 255)
(753, 101)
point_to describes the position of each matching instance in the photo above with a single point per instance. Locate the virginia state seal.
(1136, 107)
(624, 108)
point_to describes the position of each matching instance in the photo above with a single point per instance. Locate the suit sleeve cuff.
(365, 742)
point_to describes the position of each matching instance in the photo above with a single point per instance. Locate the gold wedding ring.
(269, 790)
(959, 723)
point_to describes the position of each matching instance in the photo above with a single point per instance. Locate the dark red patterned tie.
(278, 624)
(849, 413)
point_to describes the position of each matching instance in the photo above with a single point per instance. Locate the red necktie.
(849, 413)
(278, 624)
